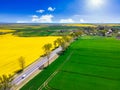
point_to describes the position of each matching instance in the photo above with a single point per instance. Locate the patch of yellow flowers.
(6, 30)
(13, 47)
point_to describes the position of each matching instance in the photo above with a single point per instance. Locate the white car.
(23, 76)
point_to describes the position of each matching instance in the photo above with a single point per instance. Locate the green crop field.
(90, 63)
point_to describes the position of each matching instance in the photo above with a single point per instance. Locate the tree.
(22, 62)
(72, 34)
(75, 34)
(67, 39)
(61, 43)
(47, 50)
(6, 82)
(55, 43)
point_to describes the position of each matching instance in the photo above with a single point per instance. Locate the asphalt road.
(33, 67)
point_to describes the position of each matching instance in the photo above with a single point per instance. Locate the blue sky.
(60, 11)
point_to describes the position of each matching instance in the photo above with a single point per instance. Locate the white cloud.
(82, 20)
(36, 19)
(40, 11)
(43, 19)
(51, 9)
(34, 16)
(22, 21)
(67, 20)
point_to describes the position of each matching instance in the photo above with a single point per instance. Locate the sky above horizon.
(60, 11)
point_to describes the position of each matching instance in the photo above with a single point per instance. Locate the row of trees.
(47, 49)
(58, 42)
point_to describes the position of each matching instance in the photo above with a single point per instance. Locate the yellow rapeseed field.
(6, 30)
(13, 47)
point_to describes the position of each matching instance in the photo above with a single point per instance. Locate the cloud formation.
(43, 19)
(21, 21)
(34, 16)
(82, 21)
(40, 11)
(51, 9)
(67, 20)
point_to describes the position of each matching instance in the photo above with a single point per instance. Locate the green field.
(88, 64)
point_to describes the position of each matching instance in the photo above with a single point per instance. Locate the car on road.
(23, 76)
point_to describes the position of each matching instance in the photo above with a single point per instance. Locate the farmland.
(89, 63)
(27, 30)
(59, 44)
(13, 47)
